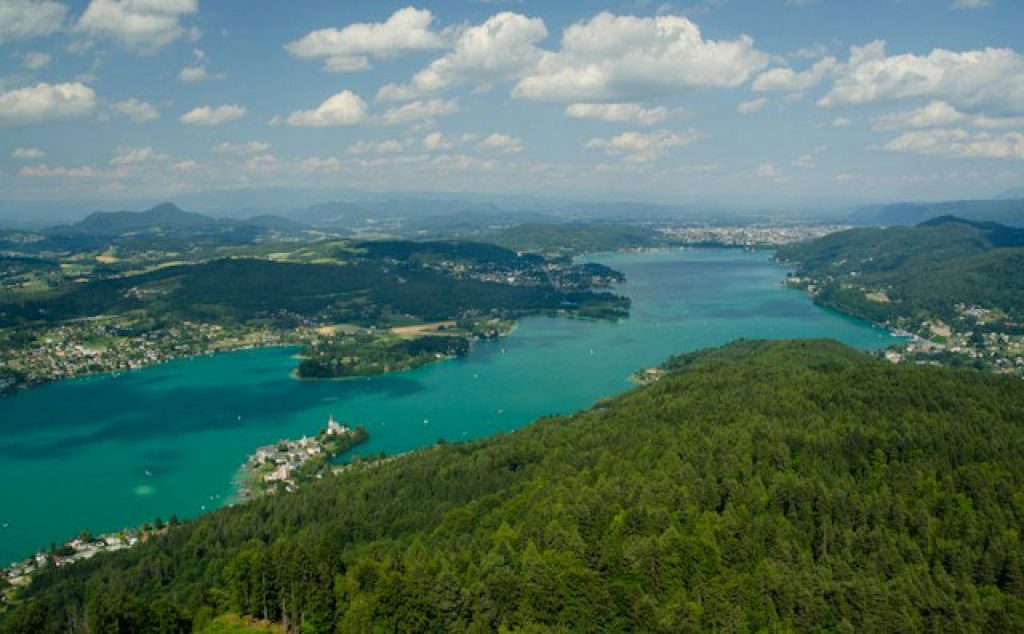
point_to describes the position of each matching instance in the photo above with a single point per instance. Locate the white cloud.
(23, 19)
(415, 111)
(188, 165)
(35, 61)
(971, 4)
(937, 113)
(211, 116)
(127, 156)
(768, 170)
(137, 111)
(639, 147)
(27, 154)
(45, 171)
(788, 80)
(501, 143)
(193, 74)
(350, 48)
(251, 147)
(389, 146)
(263, 163)
(940, 113)
(437, 141)
(46, 102)
(620, 113)
(752, 106)
(142, 25)
(343, 109)
(992, 77)
(317, 164)
(841, 122)
(959, 143)
(616, 58)
(502, 48)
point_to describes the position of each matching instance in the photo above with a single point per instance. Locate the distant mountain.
(1007, 212)
(169, 220)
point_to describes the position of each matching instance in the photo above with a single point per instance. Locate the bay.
(107, 452)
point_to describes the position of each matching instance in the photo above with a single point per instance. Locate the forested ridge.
(925, 270)
(763, 486)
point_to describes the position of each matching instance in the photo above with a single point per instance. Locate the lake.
(107, 452)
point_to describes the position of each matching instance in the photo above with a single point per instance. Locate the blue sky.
(725, 100)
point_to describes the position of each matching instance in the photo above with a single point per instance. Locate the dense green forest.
(924, 270)
(763, 486)
(364, 355)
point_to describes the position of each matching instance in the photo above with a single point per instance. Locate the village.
(84, 546)
(286, 464)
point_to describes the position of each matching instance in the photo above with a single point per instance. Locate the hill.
(167, 220)
(574, 238)
(764, 486)
(1005, 211)
(923, 271)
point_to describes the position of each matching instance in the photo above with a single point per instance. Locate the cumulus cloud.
(620, 113)
(45, 171)
(502, 48)
(389, 146)
(501, 143)
(992, 77)
(789, 80)
(191, 74)
(35, 61)
(350, 48)
(137, 111)
(27, 154)
(938, 114)
(959, 143)
(23, 19)
(127, 156)
(620, 58)
(251, 147)
(213, 116)
(639, 147)
(46, 102)
(768, 170)
(417, 111)
(752, 106)
(437, 141)
(841, 122)
(343, 109)
(142, 25)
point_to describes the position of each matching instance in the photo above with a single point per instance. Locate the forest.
(924, 270)
(762, 486)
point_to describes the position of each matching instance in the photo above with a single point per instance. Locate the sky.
(714, 100)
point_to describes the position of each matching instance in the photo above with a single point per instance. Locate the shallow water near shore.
(106, 452)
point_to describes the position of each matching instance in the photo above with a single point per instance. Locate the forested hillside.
(923, 271)
(758, 487)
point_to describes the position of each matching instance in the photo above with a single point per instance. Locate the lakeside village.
(282, 467)
(982, 338)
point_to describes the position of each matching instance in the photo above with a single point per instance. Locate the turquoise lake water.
(106, 452)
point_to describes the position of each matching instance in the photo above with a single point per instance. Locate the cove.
(106, 452)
